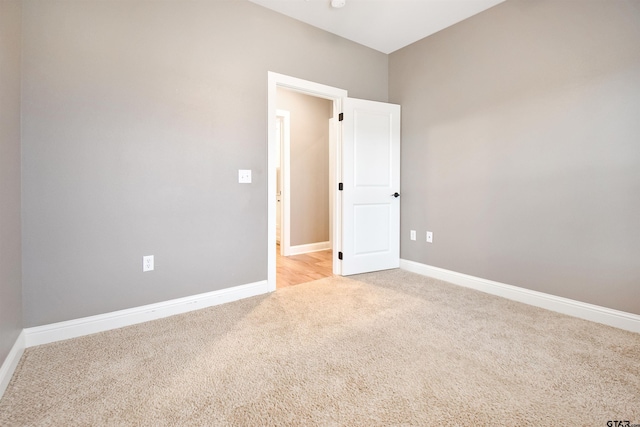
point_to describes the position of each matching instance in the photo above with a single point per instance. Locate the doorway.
(365, 160)
(303, 188)
(316, 90)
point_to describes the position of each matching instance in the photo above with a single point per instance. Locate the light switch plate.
(244, 176)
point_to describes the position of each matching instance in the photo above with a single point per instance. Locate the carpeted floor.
(382, 349)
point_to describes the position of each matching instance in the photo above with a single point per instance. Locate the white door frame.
(285, 179)
(306, 87)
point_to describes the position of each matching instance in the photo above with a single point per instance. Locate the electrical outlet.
(429, 237)
(244, 176)
(413, 234)
(147, 263)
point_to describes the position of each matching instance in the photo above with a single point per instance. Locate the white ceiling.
(383, 25)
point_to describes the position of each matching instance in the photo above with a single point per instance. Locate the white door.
(371, 186)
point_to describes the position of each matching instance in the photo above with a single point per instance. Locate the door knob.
(396, 194)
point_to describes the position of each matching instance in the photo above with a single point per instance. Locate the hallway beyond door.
(297, 269)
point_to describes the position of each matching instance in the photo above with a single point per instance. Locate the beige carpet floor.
(382, 349)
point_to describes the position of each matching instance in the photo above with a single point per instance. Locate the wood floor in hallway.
(297, 269)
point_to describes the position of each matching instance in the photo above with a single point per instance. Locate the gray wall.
(136, 117)
(521, 148)
(309, 156)
(10, 238)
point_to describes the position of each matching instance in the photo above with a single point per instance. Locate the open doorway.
(365, 160)
(303, 190)
(335, 97)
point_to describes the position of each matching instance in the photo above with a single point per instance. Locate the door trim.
(275, 80)
(285, 177)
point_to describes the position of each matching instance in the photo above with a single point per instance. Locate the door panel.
(370, 175)
(372, 149)
(367, 218)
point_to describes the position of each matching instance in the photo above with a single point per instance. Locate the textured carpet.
(389, 348)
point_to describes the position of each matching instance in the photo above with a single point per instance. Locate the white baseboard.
(11, 362)
(310, 247)
(594, 313)
(118, 319)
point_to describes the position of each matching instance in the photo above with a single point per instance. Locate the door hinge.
(339, 255)
(340, 187)
(340, 117)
